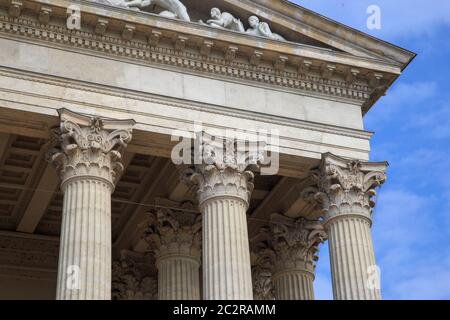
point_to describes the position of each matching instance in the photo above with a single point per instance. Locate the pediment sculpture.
(173, 8)
(222, 20)
(262, 29)
(225, 20)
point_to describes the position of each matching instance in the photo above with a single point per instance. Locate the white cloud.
(412, 249)
(403, 101)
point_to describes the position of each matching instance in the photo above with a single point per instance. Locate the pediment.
(301, 50)
(280, 18)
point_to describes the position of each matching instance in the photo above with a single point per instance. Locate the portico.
(93, 205)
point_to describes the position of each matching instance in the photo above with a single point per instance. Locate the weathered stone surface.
(173, 232)
(348, 187)
(87, 156)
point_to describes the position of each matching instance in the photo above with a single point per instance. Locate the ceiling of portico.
(31, 201)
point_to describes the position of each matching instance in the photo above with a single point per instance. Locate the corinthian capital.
(223, 168)
(174, 229)
(348, 186)
(296, 241)
(89, 146)
(263, 259)
(131, 279)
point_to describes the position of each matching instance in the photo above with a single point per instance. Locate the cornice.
(186, 62)
(339, 79)
(141, 20)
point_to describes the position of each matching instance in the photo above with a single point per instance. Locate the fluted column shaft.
(226, 253)
(84, 270)
(294, 285)
(295, 243)
(351, 257)
(178, 278)
(87, 155)
(175, 237)
(224, 184)
(348, 188)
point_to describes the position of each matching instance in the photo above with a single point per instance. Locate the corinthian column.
(87, 157)
(295, 242)
(286, 251)
(348, 187)
(224, 187)
(174, 234)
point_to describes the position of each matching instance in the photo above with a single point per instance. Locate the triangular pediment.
(286, 44)
(242, 11)
(280, 19)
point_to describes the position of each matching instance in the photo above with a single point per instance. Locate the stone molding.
(89, 147)
(129, 279)
(174, 229)
(347, 187)
(297, 81)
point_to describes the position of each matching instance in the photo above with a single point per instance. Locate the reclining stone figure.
(224, 20)
(262, 29)
(174, 8)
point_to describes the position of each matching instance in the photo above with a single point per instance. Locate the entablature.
(197, 48)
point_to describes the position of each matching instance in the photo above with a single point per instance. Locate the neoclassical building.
(109, 189)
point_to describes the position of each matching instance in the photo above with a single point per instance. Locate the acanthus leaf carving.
(296, 241)
(129, 279)
(285, 245)
(262, 271)
(349, 186)
(89, 146)
(225, 169)
(174, 228)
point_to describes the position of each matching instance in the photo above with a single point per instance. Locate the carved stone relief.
(173, 8)
(224, 20)
(286, 244)
(130, 280)
(177, 10)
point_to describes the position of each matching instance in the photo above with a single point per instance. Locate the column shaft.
(294, 285)
(351, 256)
(178, 278)
(84, 270)
(226, 253)
(87, 155)
(348, 188)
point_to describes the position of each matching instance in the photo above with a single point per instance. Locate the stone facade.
(96, 98)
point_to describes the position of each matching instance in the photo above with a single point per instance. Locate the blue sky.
(411, 229)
